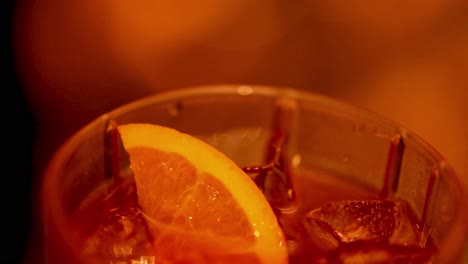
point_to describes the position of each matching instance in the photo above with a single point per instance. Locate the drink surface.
(330, 221)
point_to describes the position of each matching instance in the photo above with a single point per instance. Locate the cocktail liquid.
(329, 222)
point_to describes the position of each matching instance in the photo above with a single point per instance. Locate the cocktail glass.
(305, 150)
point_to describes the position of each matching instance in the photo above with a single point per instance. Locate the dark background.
(18, 135)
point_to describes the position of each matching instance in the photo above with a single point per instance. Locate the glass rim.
(55, 165)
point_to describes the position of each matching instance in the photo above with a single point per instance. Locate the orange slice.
(199, 205)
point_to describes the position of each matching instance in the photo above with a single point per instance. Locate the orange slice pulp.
(199, 205)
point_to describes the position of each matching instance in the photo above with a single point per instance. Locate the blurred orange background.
(407, 60)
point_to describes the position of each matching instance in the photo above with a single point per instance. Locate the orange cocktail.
(229, 174)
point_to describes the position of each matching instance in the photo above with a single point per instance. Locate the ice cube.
(349, 221)
(121, 237)
(376, 221)
(371, 231)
